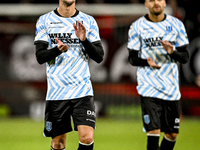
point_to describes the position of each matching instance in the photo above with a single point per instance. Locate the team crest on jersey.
(169, 28)
(77, 23)
(146, 119)
(48, 126)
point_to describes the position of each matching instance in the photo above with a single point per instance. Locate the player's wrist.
(83, 39)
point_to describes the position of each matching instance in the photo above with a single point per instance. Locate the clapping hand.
(152, 63)
(61, 46)
(80, 30)
(167, 46)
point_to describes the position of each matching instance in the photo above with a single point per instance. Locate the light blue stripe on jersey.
(69, 77)
(145, 37)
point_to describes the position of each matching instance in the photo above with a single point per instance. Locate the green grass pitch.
(110, 134)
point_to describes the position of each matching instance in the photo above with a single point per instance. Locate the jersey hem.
(66, 99)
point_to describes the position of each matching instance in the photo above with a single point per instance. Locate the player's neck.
(156, 18)
(66, 11)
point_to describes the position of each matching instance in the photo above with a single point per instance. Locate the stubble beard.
(66, 3)
(156, 13)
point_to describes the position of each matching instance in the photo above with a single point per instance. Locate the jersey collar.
(76, 13)
(147, 17)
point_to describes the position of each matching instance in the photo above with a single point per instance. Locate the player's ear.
(165, 3)
(145, 4)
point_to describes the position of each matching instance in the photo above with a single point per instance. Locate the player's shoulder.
(173, 19)
(46, 15)
(139, 20)
(137, 23)
(85, 16)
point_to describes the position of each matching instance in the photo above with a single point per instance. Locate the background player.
(157, 41)
(65, 40)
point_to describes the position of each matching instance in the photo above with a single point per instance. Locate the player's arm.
(94, 50)
(43, 54)
(133, 57)
(181, 55)
(136, 61)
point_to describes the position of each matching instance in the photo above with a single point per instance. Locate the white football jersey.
(68, 75)
(144, 36)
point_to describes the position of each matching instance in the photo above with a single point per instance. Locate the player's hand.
(152, 63)
(61, 46)
(80, 30)
(167, 46)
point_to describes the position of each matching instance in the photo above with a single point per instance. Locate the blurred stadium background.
(23, 81)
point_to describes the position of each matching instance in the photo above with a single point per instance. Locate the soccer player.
(65, 40)
(157, 41)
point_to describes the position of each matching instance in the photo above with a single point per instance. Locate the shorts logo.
(177, 120)
(48, 126)
(91, 113)
(146, 119)
(176, 127)
(90, 120)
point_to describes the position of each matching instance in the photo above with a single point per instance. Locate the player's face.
(68, 2)
(155, 7)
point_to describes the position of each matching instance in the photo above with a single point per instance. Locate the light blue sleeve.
(41, 31)
(133, 38)
(182, 38)
(93, 34)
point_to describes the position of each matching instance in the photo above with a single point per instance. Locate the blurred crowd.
(185, 10)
